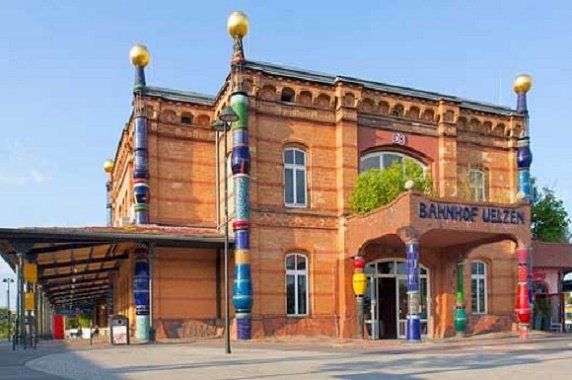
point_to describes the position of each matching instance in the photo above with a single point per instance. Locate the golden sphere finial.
(237, 24)
(108, 166)
(522, 83)
(139, 55)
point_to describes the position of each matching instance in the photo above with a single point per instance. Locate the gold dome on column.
(108, 166)
(522, 83)
(237, 24)
(139, 55)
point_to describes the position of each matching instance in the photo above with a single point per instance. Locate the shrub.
(378, 187)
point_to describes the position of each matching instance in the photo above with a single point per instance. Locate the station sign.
(470, 213)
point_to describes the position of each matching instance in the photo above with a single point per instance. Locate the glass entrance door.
(402, 305)
(370, 306)
(386, 302)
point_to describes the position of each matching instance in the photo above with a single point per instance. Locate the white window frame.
(476, 188)
(479, 277)
(382, 153)
(297, 273)
(295, 168)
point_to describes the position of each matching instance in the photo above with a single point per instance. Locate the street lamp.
(8, 281)
(226, 117)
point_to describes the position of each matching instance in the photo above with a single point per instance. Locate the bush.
(378, 187)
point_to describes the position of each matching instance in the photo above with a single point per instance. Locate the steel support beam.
(78, 274)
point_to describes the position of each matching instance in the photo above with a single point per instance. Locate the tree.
(378, 187)
(550, 221)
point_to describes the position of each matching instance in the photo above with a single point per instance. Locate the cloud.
(19, 166)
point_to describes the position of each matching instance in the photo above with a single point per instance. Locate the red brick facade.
(335, 121)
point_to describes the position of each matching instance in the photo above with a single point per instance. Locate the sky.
(66, 78)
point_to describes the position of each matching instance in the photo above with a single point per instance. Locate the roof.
(319, 77)
(74, 263)
(329, 79)
(179, 96)
(552, 255)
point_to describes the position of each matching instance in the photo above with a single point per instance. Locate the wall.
(185, 293)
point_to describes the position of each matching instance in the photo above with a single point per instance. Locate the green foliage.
(378, 187)
(542, 306)
(550, 221)
(3, 323)
(84, 320)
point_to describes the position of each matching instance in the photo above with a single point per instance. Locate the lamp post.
(8, 281)
(226, 117)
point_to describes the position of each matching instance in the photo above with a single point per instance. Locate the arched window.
(479, 287)
(295, 177)
(287, 95)
(382, 160)
(296, 284)
(186, 118)
(477, 185)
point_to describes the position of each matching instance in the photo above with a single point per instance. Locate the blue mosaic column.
(141, 294)
(413, 325)
(140, 58)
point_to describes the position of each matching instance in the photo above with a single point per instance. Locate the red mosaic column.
(522, 308)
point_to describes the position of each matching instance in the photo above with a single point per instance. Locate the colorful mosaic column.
(240, 163)
(139, 56)
(522, 307)
(521, 86)
(413, 328)
(108, 168)
(460, 312)
(359, 284)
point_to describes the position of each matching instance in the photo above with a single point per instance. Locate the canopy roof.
(74, 264)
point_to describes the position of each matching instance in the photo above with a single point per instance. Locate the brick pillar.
(447, 164)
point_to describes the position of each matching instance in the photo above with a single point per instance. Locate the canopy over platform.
(74, 264)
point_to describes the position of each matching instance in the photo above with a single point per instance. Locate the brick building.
(310, 135)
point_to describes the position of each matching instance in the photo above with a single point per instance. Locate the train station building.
(286, 146)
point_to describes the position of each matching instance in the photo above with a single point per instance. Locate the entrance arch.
(385, 301)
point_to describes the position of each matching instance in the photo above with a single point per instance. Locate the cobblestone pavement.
(548, 357)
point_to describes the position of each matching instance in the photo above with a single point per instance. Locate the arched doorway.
(385, 301)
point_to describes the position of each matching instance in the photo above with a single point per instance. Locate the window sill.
(287, 205)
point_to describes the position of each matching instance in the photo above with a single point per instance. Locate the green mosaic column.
(460, 313)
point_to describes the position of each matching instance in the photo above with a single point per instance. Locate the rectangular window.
(477, 185)
(479, 287)
(296, 285)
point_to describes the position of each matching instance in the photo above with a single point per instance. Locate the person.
(79, 332)
(95, 332)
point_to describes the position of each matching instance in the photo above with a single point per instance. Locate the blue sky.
(66, 78)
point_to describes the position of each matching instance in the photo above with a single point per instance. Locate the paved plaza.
(549, 357)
